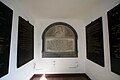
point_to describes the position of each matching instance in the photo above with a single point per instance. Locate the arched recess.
(59, 40)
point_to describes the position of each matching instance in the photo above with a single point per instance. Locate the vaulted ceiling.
(60, 9)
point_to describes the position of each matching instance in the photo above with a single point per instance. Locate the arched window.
(59, 40)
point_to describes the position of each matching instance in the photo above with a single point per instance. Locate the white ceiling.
(60, 9)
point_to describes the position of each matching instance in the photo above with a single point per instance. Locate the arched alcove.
(59, 41)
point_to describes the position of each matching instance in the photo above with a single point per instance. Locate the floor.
(63, 77)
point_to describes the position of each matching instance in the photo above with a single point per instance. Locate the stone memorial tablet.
(59, 40)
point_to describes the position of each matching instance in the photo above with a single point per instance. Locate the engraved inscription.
(60, 45)
(94, 39)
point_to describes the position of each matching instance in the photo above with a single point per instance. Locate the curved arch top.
(61, 29)
(59, 40)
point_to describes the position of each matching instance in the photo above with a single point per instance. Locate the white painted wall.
(95, 71)
(62, 65)
(26, 71)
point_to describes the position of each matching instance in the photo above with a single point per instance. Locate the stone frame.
(63, 34)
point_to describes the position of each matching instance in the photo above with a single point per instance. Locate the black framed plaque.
(59, 41)
(25, 52)
(114, 38)
(5, 37)
(94, 40)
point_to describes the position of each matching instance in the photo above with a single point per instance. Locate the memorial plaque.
(94, 40)
(25, 42)
(114, 38)
(59, 40)
(60, 45)
(5, 37)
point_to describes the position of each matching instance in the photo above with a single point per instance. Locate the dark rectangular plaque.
(5, 37)
(114, 38)
(25, 42)
(94, 40)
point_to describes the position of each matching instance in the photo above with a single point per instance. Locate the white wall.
(62, 65)
(95, 71)
(26, 71)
